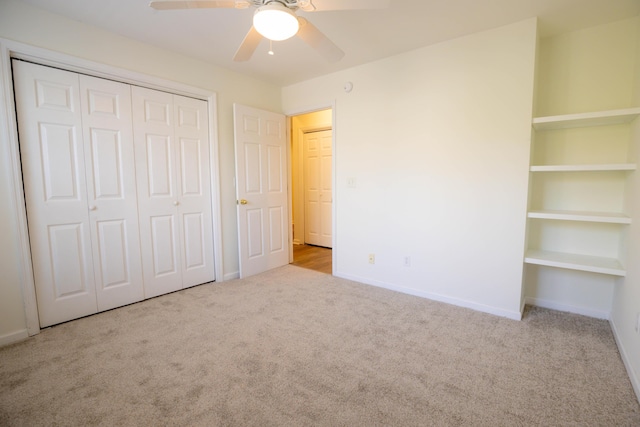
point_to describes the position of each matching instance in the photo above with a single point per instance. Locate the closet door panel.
(51, 146)
(158, 198)
(194, 183)
(111, 191)
(194, 242)
(164, 245)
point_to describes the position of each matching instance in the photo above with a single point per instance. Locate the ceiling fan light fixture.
(276, 22)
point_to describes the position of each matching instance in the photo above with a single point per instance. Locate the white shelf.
(598, 118)
(605, 217)
(575, 262)
(585, 168)
(602, 265)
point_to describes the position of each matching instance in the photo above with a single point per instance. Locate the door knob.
(93, 208)
(176, 203)
(243, 202)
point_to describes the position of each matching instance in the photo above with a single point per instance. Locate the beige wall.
(23, 23)
(588, 70)
(12, 315)
(437, 140)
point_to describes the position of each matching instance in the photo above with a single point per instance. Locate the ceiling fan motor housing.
(291, 4)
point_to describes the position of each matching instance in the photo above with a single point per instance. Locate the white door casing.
(318, 194)
(261, 186)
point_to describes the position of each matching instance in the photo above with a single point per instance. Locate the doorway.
(312, 190)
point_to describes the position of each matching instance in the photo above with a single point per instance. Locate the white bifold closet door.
(117, 190)
(172, 166)
(79, 179)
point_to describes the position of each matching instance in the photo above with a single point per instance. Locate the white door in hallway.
(77, 161)
(318, 193)
(261, 187)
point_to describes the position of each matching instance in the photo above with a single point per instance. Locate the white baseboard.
(14, 337)
(514, 315)
(231, 276)
(633, 376)
(553, 305)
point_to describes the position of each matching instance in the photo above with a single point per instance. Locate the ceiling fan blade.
(248, 46)
(311, 35)
(325, 5)
(190, 4)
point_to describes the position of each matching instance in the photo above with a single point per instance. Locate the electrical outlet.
(372, 258)
(407, 261)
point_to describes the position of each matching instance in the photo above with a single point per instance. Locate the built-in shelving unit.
(543, 205)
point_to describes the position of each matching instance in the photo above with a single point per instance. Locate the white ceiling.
(213, 35)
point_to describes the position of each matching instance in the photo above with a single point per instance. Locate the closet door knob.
(176, 203)
(93, 208)
(243, 202)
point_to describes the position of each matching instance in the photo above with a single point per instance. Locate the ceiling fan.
(276, 20)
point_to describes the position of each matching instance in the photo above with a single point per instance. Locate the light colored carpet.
(296, 347)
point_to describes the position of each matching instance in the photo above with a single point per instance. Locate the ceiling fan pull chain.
(271, 47)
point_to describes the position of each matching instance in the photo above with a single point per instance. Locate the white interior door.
(51, 146)
(318, 193)
(261, 186)
(111, 191)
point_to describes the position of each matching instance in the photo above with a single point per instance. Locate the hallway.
(312, 257)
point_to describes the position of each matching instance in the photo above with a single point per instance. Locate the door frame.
(8, 127)
(334, 130)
